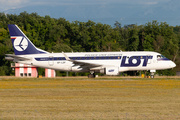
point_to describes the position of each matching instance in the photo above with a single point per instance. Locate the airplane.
(108, 63)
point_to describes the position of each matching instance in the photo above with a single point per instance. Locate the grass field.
(82, 98)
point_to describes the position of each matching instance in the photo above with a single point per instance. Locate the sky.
(104, 11)
(13, 4)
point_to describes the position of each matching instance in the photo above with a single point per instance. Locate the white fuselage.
(124, 61)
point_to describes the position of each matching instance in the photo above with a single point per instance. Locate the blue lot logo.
(135, 61)
(20, 43)
(112, 70)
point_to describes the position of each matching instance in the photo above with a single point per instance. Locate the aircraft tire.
(152, 76)
(91, 76)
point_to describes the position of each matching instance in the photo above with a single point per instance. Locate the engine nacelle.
(66, 68)
(73, 69)
(110, 71)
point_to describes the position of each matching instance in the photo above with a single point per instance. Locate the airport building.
(23, 70)
(50, 73)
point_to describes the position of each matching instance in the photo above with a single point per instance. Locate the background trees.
(57, 35)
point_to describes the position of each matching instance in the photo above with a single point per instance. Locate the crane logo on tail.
(20, 43)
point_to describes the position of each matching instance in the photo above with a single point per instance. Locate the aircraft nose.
(172, 64)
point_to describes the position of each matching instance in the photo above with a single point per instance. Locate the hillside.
(165, 13)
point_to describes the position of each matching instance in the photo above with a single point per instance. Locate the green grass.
(82, 98)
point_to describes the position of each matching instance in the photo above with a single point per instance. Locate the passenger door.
(51, 60)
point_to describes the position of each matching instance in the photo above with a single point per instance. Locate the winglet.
(67, 58)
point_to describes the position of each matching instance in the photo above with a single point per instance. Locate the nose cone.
(172, 64)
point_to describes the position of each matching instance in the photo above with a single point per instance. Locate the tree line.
(57, 35)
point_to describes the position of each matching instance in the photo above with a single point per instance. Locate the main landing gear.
(91, 75)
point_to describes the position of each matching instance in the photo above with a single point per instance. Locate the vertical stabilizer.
(21, 44)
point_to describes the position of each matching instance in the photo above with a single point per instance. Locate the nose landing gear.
(152, 73)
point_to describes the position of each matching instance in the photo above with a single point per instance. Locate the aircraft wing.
(81, 64)
(11, 57)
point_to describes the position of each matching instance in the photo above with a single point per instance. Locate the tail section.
(22, 45)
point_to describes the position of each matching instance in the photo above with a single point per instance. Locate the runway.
(83, 98)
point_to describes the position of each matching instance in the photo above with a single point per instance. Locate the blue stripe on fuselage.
(79, 58)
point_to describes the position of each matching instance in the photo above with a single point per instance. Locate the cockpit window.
(160, 56)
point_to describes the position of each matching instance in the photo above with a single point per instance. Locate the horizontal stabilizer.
(11, 57)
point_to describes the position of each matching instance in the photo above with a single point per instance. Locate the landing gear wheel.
(152, 76)
(91, 75)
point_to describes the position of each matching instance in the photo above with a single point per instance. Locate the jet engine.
(110, 71)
